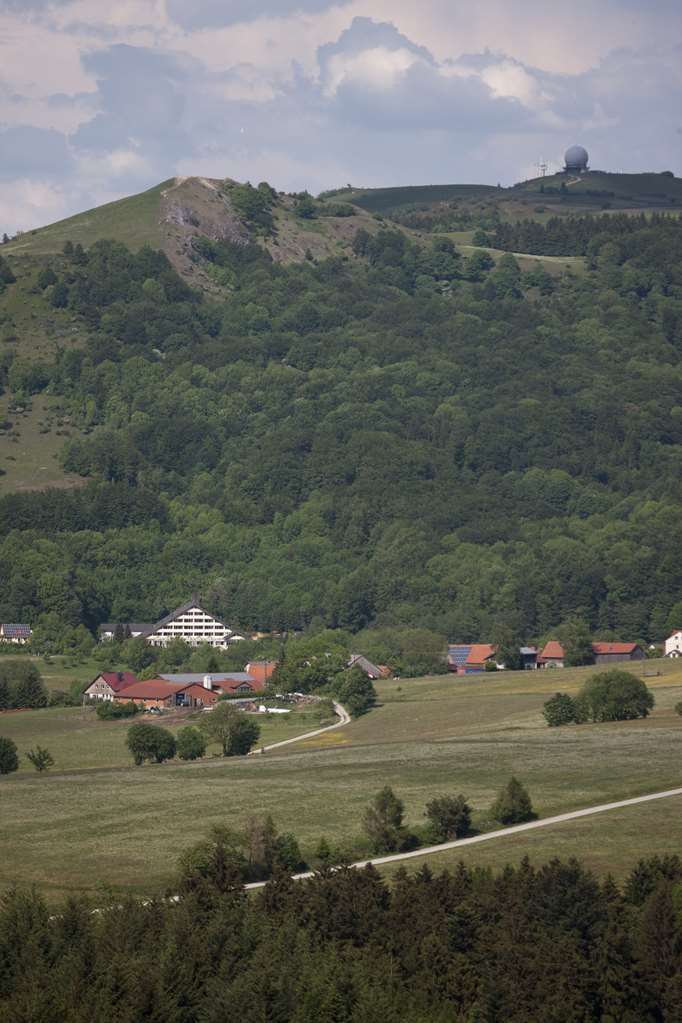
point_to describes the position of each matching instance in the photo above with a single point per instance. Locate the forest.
(528, 945)
(408, 437)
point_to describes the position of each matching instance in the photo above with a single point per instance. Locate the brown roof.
(614, 648)
(152, 689)
(553, 651)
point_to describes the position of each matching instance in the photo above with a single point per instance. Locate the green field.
(133, 220)
(427, 737)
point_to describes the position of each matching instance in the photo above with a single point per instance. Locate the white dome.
(576, 158)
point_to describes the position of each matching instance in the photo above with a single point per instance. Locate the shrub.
(449, 817)
(560, 709)
(108, 710)
(231, 728)
(190, 743)
(9, 760)
(678, 708)
(150, 742)
(513, 805)
(615, 696)
(41, 758)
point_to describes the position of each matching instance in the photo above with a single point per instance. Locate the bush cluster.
(614, 695)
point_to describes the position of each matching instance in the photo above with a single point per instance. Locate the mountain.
(394, 429)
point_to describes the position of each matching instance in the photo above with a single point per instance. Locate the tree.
(41, 758)
(355, 690)
(513, 805)
(382, 821)
(560, 709)
(306, 207)
(190, 743)
(576, 639)
(150, 742)
(59, 297)
(21, 685)
(615, 695)
(9, 760)
(449, 817)
(678, 708)
(231, 729)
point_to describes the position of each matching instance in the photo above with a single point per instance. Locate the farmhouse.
(673, 644)
(233, 682)
(18, 634)
(261, 671)
(470, 658)
(609, 653)
(372, 671)
(552, 655)
(188, 622)
(109, 684)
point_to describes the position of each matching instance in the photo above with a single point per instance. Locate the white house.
(189, 622)
(673, 644)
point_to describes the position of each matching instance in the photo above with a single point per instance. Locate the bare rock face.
(197, 206)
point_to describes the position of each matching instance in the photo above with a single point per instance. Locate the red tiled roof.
(152, 689)
(118, 680)
(479, 653)
(553, 651)
(674, 633)
(614, 648)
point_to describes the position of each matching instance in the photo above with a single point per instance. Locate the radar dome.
(576, 159)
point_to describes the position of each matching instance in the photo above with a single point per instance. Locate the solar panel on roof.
(458, 654)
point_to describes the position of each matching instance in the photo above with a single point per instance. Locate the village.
(191, 623)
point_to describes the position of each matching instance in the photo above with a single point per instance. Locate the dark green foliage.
(46, 277)
(392, 472)
(678, 708)
(382, 822)
(253, 204)
(21, 685)
(306, 207)
(150, 742)
(648, 874)
(513, 805)
(111, 710)
(560, 709)
(191, 744)
(355, 691)
(235, 732)
(41, 758)
(449, 817)
(6, 274)
(576, 639)
(547, 944)
(9, 760)
(615, 696)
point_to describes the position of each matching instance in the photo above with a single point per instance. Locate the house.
(18, 634)
(470, 658)
(188, 622)
(232, 682)
(261, 671)
(372, 671)
(131, 630)
(673, 644)
(529, 657)
(153, 692)
(552, 655)
(610, 653)
(109, 684)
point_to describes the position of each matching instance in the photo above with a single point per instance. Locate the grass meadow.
(93, 820)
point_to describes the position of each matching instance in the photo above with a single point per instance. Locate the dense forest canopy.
(405, 437)
(528, 945)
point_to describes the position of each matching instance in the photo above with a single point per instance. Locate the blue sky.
(99, 100)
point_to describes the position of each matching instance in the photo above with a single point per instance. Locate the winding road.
(341, 713)
(491, 835)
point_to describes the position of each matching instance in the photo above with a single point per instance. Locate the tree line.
(529, 944)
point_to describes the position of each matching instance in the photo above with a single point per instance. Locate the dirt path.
(344, 719)
(501, 833)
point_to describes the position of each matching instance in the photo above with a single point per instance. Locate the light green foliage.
(561, 709)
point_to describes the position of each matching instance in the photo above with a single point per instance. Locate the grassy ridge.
(428, 737)
(387, 200)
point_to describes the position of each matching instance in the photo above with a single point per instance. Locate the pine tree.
(513, 805)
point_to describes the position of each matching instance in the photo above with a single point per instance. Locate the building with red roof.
(552, 655)
(608, 653)
(108, 684)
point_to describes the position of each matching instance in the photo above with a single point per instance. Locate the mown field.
(86, 825)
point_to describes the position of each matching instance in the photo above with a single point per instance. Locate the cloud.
(216, 13)
(34, 152)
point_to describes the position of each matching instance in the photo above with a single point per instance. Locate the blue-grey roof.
(215, 676)
(458, 653)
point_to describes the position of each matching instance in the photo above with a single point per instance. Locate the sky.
(103, 98)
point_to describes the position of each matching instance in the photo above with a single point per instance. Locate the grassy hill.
(428, 737)
(389, 200)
